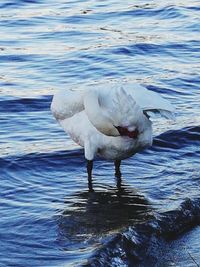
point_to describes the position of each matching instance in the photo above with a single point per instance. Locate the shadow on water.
(98, 213)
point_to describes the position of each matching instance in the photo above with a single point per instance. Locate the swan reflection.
(106, 211)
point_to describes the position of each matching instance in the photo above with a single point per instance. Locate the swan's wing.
(125, 106)
(151, 103)
(67, 103)
(124, 109)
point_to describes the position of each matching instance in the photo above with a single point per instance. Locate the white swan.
(111, 122)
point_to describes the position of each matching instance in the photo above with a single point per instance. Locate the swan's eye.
(123, 131)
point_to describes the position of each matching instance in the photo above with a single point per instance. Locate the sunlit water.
(48, 218)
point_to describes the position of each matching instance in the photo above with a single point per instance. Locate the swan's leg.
(118, 173)
(89, 171)
(117, 168)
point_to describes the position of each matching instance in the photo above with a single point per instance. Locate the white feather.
(90, 117)
(67, 103)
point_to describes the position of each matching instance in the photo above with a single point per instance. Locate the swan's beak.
(123, 131)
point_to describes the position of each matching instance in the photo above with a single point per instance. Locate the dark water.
(48, 218)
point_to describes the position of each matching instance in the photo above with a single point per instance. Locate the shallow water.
(48, 218)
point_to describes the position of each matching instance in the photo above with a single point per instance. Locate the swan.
(113, 122)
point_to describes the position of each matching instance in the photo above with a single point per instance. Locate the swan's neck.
(97, 114)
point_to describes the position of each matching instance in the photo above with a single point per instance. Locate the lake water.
(48, 217)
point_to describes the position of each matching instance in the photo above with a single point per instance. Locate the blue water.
(47, 216)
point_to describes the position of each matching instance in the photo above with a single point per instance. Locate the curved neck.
(97, 115)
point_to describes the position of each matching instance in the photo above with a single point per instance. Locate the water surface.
(48, 218)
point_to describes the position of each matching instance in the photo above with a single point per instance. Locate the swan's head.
(129, 132)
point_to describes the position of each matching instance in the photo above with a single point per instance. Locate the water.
(48, 218)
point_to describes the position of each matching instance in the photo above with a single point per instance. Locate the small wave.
(169, 49)
(170, 12)
(43, 159)
(11, 4)
(142, 244)
(178, 138)
(26, 104)
(164, 12)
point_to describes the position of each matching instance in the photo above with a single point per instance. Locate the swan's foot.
(89, 171)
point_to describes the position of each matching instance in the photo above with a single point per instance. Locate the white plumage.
(111, 122)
